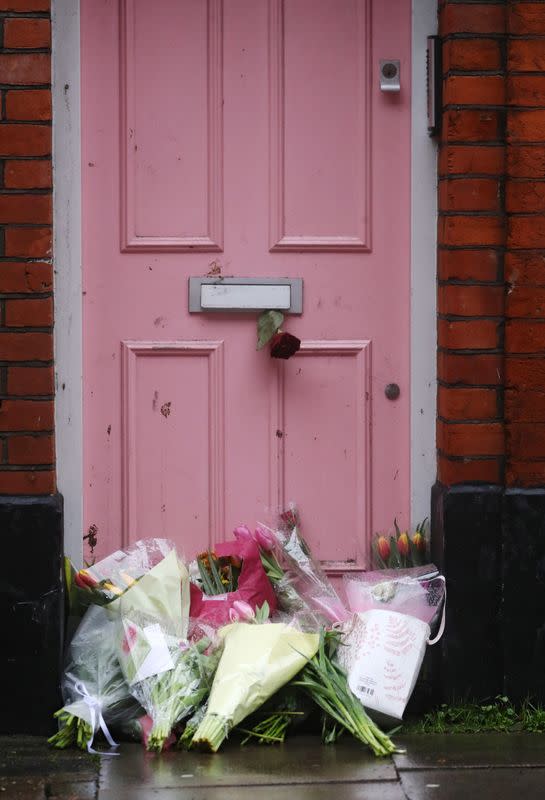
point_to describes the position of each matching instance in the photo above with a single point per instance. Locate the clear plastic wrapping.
(94, 689)
(108, 579)
(169, 675)
(300, 582)
(417, 591)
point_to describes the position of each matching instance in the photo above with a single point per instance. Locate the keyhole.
(389, 70)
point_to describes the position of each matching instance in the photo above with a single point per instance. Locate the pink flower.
(243, 533)
(131, 634)
(240, 610)
(264, 538)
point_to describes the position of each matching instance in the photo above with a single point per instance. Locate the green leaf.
(267, 324)
(262, 614)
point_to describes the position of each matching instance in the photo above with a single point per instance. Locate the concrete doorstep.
(435, 767)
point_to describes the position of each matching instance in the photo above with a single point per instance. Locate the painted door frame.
(68, 284)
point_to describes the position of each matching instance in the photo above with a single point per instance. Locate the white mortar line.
(68, 269)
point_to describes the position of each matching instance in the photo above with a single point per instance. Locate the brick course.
(27, 454)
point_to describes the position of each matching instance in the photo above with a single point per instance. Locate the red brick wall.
(26, 303)
(491, 254)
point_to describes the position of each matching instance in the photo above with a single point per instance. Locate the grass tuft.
(497, 715)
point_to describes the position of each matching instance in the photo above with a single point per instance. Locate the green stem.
(211, 732)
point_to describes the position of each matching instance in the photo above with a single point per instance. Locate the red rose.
(284, 345)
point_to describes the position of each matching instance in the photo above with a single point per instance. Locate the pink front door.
(245, 138)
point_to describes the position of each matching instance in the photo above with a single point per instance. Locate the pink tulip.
(264, 538)
(240, 610)
(243, 533)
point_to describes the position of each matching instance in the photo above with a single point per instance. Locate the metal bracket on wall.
(434, 84)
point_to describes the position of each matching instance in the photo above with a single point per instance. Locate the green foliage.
(267, 324)
(500, 715)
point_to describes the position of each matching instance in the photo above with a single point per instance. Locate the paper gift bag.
(382, 655)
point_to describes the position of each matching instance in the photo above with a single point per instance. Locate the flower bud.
(242, 609)
(403, 545)
(383, 548)
(243, 533)
(419, 542)
(264, 538)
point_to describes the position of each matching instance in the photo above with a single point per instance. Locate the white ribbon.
(96, 716)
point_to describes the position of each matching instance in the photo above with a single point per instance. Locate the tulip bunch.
(301, 586)
(266, 542)
(401, 550)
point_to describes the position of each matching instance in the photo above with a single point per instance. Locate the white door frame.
(68, 270)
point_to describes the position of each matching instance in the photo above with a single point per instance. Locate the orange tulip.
(383, 548)
(403, 545)
(419, 542)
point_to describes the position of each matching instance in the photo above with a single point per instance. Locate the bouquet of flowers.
(167, 674)
(326, 682)
(231, 574)
(170, 676)
(256, 661)
(301, 585)
(158, 653)
(94, 689)
(108, 579)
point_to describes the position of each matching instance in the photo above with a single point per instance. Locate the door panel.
(249, 138)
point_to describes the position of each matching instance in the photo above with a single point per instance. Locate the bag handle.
(441, 630)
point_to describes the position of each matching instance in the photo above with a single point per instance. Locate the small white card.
(158, 659)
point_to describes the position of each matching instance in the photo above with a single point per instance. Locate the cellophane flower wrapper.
(416, 591)
(166, 673)
(256, 661)
(254, 588)
(304, 587)
(93, 684)
(108, 579)
(161, 594)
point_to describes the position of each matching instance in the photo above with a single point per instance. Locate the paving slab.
(301, 760)
(22, 788)
(31, 756)
(343, 791)
(470, 750)
(486, 784)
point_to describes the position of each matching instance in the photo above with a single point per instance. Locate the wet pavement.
(434, 767)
